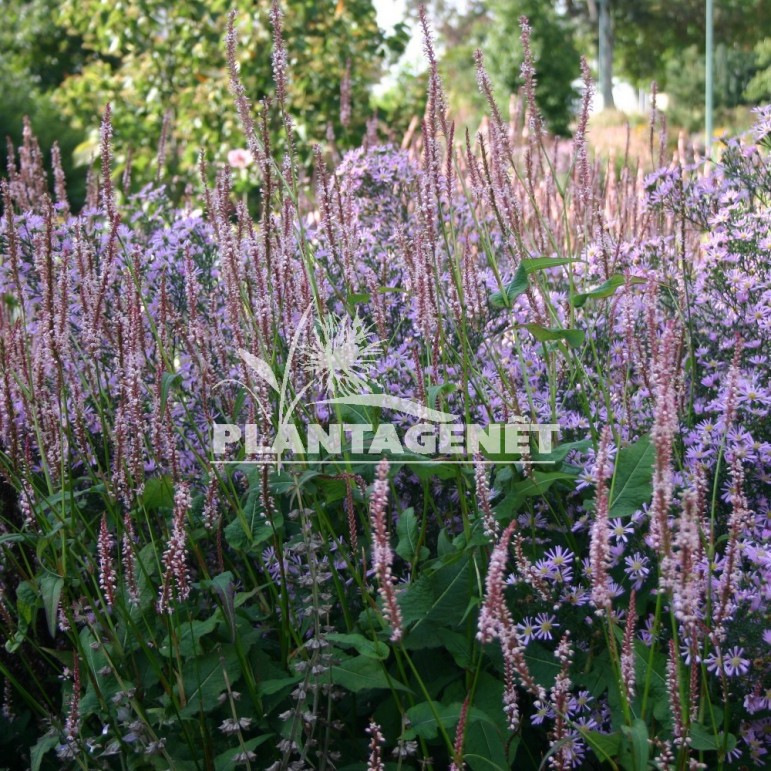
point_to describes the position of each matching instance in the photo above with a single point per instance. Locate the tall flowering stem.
(599, 548)
(107, 579)
(375, 747)
(560, 759)
(489, 522)
(497, 623)
(175, 557)
(382, 556)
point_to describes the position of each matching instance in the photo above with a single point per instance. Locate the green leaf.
(449, 586)
(573, 337)
(255, 530)
(416, 599)
(560, 452)
(543, 666)
(158, 493)
(225, 590)
(637, 736)
(632, 479)
(443, 544)
(408, 532)
(704, 739)
(363, 673)
(43, 745)
(605, 289)
(373, 649)
(457, 645)
(423, 719)
(485, 748)
(435, 391)
(269, 687)
(605, 746)
(529, 488)
(187, 642)
(203, 679)
(51, 591)
(519, 284)
(226, 762)
(27, 600)
(429, 470)
(169, 380)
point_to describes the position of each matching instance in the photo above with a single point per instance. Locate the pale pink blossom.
(239, 158)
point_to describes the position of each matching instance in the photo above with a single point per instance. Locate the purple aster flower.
(735, 663)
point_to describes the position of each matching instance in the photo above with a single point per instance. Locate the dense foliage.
(598, 605)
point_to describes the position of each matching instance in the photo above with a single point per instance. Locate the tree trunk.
(606, 55)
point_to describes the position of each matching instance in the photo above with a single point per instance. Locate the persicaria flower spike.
(382, 556)
(599, 547)
(175, 557)
(107, 579)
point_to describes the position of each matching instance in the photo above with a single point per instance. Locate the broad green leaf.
(423, 719)
(702, 738)
(27, 600)
(237, 533)
(187, 642)
(632, 478)
(51, 591)
(606, 289)
(543, 666)
(408, 532)
(416, 600)
(605, 746)
(373, 649)
(560, 452)
(450, 586)
(443, 543)
(529, 488)
(457, 645)
(431, 470)
(637, 736)
(203, 679)
(434, 392)
(224, 588)
(169, 380)
(519, 284)
(485, 748)
(573, 337)
(158, 493)
(226, 761)
(43, 745)
(269, 687)
(363, 673)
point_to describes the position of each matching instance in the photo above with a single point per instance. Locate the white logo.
(339, 355)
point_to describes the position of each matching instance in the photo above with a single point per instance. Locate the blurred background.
(162, 62)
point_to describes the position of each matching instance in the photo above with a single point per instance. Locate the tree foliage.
(35, 57)
(557, 58)
(151, 59)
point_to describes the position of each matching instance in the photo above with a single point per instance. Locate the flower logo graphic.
(340, 355)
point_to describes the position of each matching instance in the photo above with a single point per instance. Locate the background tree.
(63, 61)
(557, 58)
(493, 26)
(35, 57)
